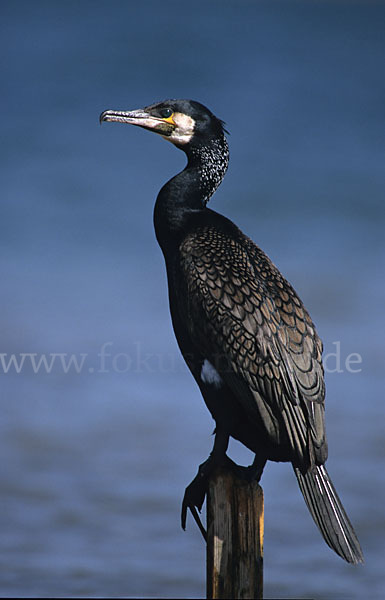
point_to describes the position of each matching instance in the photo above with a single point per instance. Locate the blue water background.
(94, 464)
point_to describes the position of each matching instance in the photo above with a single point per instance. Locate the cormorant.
(242, 329)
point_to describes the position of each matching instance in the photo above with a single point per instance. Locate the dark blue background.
(94, 464)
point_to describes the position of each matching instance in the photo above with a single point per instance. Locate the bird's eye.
(165, 113)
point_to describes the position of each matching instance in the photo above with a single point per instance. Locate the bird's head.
(185, 123)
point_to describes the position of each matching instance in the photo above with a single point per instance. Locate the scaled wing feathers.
(258, 335)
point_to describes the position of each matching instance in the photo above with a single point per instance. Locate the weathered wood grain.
(234, 537)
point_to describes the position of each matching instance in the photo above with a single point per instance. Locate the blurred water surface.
(96, 455)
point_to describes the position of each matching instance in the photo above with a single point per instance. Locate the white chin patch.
(210, 375)
(184, 129)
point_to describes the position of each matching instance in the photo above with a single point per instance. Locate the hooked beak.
(140, 118)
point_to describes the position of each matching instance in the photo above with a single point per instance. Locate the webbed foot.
(196, 491)
(195, 494)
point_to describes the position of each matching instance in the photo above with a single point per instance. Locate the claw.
(194, 497)
(194, 513)
(195, 493)
(183, 517)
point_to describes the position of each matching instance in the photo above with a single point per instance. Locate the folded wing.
(256, 331)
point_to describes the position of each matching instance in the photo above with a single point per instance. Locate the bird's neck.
(189, 191)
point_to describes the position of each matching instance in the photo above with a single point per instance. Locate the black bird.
(242, 329)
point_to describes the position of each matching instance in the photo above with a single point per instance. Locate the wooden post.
(234, 537)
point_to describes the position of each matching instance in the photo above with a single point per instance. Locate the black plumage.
(242, 329)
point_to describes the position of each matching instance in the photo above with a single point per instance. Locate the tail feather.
(328, 513)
